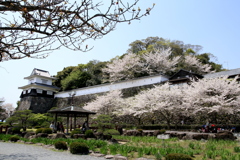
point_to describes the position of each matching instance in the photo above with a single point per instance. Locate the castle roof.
(229, 73)
(40, 73)
(39, 85)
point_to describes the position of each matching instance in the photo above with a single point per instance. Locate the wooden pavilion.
(71, 112)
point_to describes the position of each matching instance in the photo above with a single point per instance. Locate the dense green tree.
(61, 75)
(79, 76)
(94, 68)
(76, 79)
(92, 73)
(205, 58)
(21, 117)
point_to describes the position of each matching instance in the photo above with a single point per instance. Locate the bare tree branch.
(33, 28)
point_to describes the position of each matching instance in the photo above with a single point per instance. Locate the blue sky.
(213, 24)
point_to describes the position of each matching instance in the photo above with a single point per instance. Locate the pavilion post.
(67, 122)
(55, 123)
(87, 117)
(55, 117)
(74, 123)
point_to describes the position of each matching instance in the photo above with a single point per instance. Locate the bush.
(39, 130)
(178, 156)
(76, 131)
(14, 138)
(16, 130)
(89, 134)
(111, 132)
(61, 145)
(162, 131)
(237, 149)
(47, 130)
(37, 127)
(79, 148)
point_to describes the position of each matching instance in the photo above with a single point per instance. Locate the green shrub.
(14, 138)
(37, 127)
(89, 134)
(16, 130)
(178, 156)
(76, 131)
(237, 149)
(47, 130)
(111, 132)
(39, 130)
(78, 148)
(61, 145)
(162, 131)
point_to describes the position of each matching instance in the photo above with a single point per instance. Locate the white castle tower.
(38, 94)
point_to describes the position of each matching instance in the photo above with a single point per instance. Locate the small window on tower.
(49, 93)
(44, 81)
(39, 91)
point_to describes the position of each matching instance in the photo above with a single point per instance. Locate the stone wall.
(36, 104)
(44, 104)
(83, 99)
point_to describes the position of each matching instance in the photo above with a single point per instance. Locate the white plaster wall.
(39, 80)
(119, 85)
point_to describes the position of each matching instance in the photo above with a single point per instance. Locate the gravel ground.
(16, 151)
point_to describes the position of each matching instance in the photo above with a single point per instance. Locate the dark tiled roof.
(71, 110)
(228, 73)
(46, 85)
(183, 73)
(40, 72)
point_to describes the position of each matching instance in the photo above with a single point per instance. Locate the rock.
(225, 135)
(133, 133)
(59, 135)
(97, 154)
(76, 136)
(29, 143)
(142, 158)
(43, 135)
(109, 157)
(113, 141)
(39, 144)
(196, 136)
(119, 157)
(98, 135)
(155, 133)
(29, 134)
(107, 137)
(211, 136)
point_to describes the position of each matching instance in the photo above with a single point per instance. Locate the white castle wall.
(113, 86)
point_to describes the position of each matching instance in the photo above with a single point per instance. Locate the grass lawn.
(153, 148)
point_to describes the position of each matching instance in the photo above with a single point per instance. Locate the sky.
(213, 24)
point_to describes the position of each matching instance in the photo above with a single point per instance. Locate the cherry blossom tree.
(213, 97)
(32, 28)
(191, 63)
(160, 61)
(3, 114)
(106, 104)
(163, 100)
(124, 68)
(133, 65)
